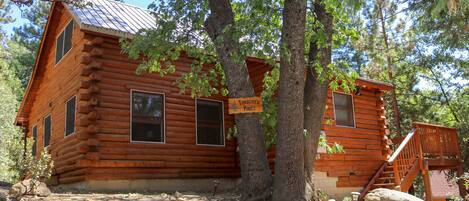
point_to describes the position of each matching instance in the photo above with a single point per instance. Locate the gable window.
(147, 117)
(70, 116)
(209, 117)
(33, 150)
(343, 109)
(64, 42)
(47, 130)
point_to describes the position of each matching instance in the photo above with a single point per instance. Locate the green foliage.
(335, 148)
(17, 56)
(269, 105)
(29, 34)
(179, 31)
(8, 132)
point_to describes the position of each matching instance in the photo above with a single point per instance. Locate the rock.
(383, 194)
(24, 188)
(3, 195)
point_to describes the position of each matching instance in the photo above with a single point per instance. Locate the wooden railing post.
(397, 178)
(440, 138)
(419, 148)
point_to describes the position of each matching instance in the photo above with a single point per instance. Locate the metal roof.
(112, 17)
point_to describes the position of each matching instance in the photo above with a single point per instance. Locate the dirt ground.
(184, 196)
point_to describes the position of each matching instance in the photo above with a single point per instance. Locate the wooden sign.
(244, 105)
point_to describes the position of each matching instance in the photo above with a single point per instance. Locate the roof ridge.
(126, 4)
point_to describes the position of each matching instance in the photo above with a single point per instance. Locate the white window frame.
(63, 45)
(353, 110)
(164, 116)
(44, 131)
(223, 122)
(66, 110)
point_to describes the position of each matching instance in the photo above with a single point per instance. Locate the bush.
(20, 165)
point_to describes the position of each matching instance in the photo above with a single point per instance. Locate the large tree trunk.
(395, 107)
(289, 183)
(315, 97)
(255, 173)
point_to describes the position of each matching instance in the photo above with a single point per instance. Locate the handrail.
(372, 181)
(402, 145)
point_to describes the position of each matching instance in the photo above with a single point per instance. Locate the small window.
(343, 110)
(47, 130)
(64, 42)
(70, 116)
(33, 151)
(147, 117)
(210, 129)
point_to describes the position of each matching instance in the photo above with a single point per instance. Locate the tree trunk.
(395, 107)
(315, 97)
(289, 183)
(255, 173)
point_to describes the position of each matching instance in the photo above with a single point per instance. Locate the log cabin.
(109, 129)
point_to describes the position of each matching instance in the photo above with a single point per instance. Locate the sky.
(18, 20)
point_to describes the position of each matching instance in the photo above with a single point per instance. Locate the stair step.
(383, 185)
(384, 178)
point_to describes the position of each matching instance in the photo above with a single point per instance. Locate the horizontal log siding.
(179, 156)
(363, 144)
(102, 150)
(58, 84)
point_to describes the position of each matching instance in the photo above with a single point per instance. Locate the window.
(33, 151)
(64, 42)
(147, 117)
(70, 116)
(47, 130)
(343, 109)
(209, 117)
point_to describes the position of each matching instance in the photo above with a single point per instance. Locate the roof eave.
(20, 119)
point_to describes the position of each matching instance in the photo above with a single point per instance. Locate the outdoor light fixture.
(358, 92)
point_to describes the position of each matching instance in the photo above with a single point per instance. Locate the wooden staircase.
(425, 148)
(386, 178)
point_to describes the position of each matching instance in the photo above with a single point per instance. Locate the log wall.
(96, 71)
(58, 83)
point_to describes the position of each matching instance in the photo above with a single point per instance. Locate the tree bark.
(289, 183)
(315, 97)
(255, 173)
(395, 107)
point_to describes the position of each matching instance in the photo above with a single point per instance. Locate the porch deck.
(427, 147)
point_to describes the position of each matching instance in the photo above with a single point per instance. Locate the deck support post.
(461, 186)
(427, 183)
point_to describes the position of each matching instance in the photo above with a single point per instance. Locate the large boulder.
(24, 188)
(383, 194)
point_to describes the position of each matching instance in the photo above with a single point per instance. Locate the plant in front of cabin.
(24, 165)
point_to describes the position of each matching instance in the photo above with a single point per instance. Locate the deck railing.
(424, 142)
(438, 142)
(406, 156)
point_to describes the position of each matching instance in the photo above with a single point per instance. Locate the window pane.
(210, 122)
(59, 48)
(47, 130)
(70, 117)
(35, 140)
(68, 38)
(147, 117)
(343, 108)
